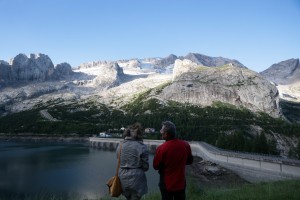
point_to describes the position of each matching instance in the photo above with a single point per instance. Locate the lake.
(30, 168)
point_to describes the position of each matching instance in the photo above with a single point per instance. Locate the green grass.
(278, 190)
(263, 191)
(43, 195)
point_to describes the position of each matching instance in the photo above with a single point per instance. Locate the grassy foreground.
(278, 190)
(263, 191)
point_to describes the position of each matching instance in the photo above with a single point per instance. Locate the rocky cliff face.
(285, 72)
(5, 72)
(3, 62)
(208, 61)
(286, 76)
(183, 66)
(228, 84)
(134, 63)
(100, 75)
(111, 75)
(63, 70)
(36, 67)
(165, 62)
(94, 64)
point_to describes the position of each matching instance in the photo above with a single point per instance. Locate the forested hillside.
(222, 125)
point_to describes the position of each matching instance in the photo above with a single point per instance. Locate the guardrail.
(252, 167)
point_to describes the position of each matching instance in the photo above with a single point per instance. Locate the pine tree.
(260, 144)
(221, 141)
(272, 145)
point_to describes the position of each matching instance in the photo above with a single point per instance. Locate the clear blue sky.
(258, 33)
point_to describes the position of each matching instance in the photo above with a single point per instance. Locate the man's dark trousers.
(176, 195)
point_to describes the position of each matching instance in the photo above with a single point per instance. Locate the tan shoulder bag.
(114, 183)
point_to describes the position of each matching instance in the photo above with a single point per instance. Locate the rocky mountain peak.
(38, 67)
(134, 63)
(4, 71)
(63, 70)
(3, 62)
(200, 85)
(36, 56)
(95, 64)
(18, 59)
(110, 75)
(183, 66)
(164, 62)
(208, 61)
(285, 72)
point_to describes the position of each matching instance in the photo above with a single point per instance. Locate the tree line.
(221, 124)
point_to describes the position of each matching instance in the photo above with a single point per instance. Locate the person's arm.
(145, 159)
(190, 157)
(118, 149)
(157, 160)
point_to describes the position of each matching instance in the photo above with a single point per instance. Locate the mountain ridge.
(286, 76)
(125, 78)
(99, 95)
(284, 72)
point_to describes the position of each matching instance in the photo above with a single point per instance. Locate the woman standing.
(134, 162)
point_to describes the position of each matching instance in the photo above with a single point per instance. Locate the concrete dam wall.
(251, 167)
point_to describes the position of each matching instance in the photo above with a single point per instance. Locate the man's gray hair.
(170, 128)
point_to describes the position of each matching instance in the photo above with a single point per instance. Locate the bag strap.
(119, 158)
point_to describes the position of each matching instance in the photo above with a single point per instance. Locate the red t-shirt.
(170, 159)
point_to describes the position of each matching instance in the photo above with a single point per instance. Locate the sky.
(258, 33)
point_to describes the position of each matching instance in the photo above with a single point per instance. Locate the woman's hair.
(126, 133)
(170, 128)
(135, 131)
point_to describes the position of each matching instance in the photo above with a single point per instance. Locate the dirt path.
(47, 115)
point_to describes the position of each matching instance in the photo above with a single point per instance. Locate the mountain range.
(195, 78)
(144, 85)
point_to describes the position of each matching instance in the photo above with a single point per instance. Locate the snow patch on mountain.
(286, 76)
(290, 92)
(118, 81)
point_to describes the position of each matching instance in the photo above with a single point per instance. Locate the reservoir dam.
(251, 167)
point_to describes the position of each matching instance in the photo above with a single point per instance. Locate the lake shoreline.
(43, 138)
(206, 174)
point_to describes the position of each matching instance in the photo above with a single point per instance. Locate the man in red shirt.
(170, 160)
